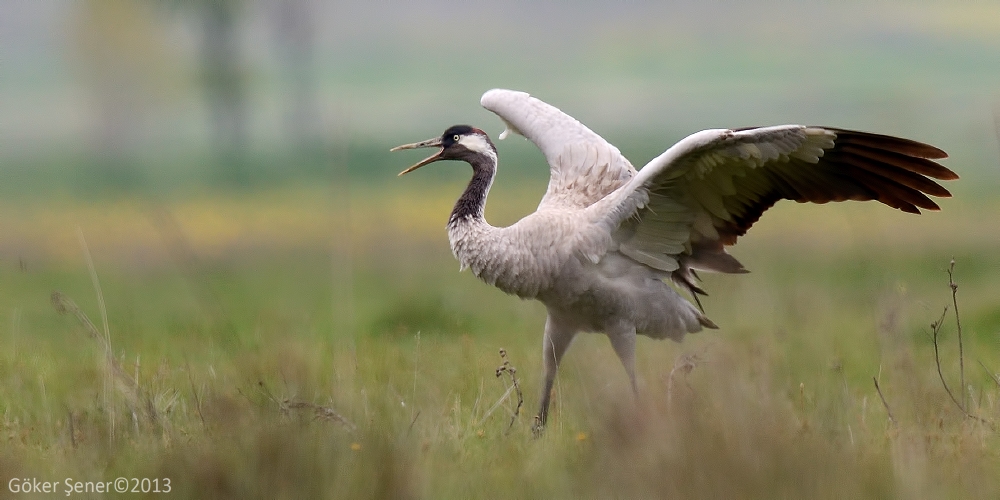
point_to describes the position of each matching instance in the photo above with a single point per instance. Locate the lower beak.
(429, 143)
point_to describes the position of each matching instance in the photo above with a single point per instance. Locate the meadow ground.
(289, 344)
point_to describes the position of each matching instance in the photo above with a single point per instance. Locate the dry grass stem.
(515, 386)
(888, 410)
(993, 376)
(958, 325)
(684, 364)
(197, 399)
(416, 367)
(500, 401)
(127, 386)
(96, 282)
(935, 332)
(320, 412)
(72, 428)
(286, 405)
(102, 307)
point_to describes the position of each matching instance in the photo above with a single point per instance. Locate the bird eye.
(455, 138)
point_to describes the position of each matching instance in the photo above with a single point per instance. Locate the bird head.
(460, 142)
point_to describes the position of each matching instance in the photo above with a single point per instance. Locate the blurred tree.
(295, 38)
(225, 86)
(224, 82)
(129, 69)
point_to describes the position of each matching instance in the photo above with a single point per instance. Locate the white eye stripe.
(474, 142)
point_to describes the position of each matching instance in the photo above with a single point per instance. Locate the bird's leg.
(554, 345)
(623, 341)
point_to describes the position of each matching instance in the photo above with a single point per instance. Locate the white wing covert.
(584, 167)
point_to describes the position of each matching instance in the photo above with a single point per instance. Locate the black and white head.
(460, 142)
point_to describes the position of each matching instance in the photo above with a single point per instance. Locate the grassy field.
(290, 344)
(202, 304)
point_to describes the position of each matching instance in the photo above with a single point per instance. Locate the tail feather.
(711, 256)
(684, 278)
(707, 323)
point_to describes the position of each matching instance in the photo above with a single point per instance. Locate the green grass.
(246, 348)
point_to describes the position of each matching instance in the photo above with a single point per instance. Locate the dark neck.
(472, 202)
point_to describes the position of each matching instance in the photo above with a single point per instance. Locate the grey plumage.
(606, 238)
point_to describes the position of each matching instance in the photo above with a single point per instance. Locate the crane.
(605, 239)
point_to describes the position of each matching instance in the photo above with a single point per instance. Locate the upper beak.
(429, 143)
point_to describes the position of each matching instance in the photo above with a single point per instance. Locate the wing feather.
(879, 142)
(900, 161)
(891, 171)
(584, 168)
(681, 210)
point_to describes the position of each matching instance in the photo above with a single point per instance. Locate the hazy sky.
(396, 69)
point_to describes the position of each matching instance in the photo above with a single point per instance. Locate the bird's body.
(531, 259)
(605, 237)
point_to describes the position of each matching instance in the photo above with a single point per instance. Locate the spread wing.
(584, 167)
(685, 205)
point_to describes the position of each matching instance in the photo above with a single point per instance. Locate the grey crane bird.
(605, 239)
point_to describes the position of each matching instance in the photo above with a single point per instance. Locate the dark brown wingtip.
(887, 142)
(930, 152)
(947, 175)
(911, 155)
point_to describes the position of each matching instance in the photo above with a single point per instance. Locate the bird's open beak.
(429, 143)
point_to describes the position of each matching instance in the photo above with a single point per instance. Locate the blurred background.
(178, 131)
(105, 96)
(223, 168)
